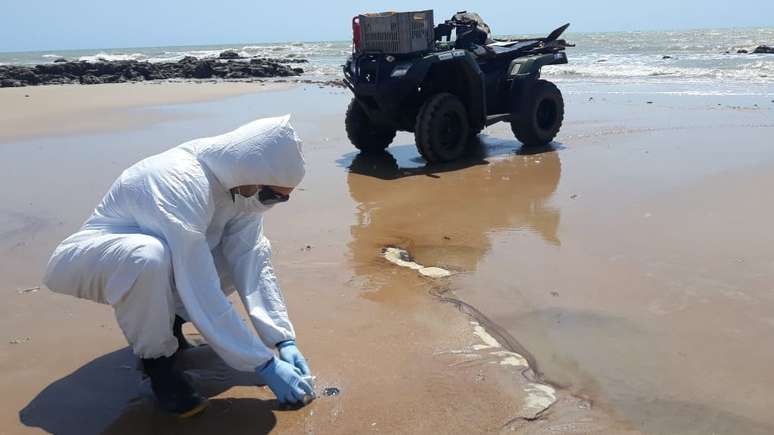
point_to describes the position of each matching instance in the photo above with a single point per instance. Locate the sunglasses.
(268, 196)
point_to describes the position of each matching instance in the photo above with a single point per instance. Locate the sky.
(80, 24)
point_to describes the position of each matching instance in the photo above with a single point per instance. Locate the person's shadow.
(109, 395)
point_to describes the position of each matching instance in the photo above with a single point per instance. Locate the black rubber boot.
(177, 330)
(171, 388)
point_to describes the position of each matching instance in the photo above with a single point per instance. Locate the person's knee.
(154, 255)
(149, 297)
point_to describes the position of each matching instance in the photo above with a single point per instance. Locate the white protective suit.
(169, 238)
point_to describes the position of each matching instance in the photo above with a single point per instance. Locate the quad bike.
(447, 83)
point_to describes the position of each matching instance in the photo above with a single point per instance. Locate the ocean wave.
(175, 56)
(112, 57)
(712, 67)
(644, 73)
(322, 71)
(695, 88)
(691, 56)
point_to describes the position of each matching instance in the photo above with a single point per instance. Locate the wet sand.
(628, 264)
(63, 110)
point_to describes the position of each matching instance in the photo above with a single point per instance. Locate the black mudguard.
(524, 71)
(527, 67)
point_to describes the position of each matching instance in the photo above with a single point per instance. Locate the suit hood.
(264, 152)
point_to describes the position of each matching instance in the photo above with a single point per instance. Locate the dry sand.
(592, 261)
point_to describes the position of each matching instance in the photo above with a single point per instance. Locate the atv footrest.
(494, 119)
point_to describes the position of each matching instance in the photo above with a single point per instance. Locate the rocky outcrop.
(278, 60)
(761, 49)
(230, 54)
(89, 73)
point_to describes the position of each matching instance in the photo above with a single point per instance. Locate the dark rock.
(742, 51)
(160, 75)
(203, 70)
(62, 81)
(238, 66)
(764, 49)
(132, 74)
(219, 70)
(28, 77)
(75, 68)
(132, 70)
(49, 68)
(10, 83)
(115, 78)
(60, 60)
(666, 57)
(259, 72)
(277, 60)
(90, 80)
(230, 54)
(237, 75)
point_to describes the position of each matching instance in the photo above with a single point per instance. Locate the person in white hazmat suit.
(175, 234)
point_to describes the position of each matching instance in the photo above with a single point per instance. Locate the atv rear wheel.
(442, 132)
(541, 115)
(363, 133)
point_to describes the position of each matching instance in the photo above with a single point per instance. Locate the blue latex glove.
(288, 352)
(285, 382)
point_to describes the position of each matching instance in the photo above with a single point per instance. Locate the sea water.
(705, 59)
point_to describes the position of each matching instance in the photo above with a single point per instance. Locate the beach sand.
(628, 265)
(63, 110)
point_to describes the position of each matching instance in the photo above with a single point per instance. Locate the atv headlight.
(400, 70)
(515, 68)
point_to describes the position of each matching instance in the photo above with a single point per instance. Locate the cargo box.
(394, 32)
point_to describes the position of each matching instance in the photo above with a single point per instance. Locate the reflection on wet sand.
(444, 215)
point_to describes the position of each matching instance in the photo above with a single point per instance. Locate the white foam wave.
(631, 57)
(696, 67)
(112, 57)
(642, 87)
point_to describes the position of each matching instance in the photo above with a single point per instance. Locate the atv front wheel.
(363, 133)
(442, 132)
(541, 115)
